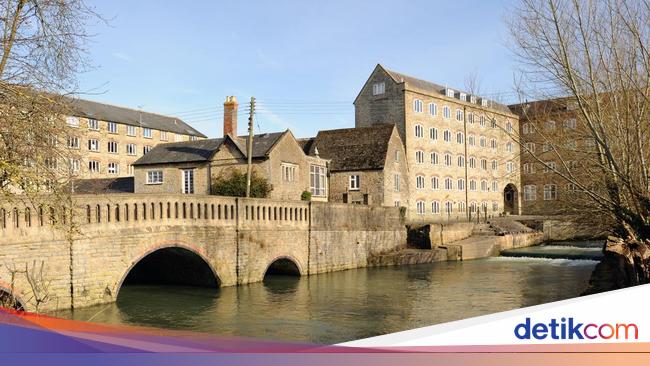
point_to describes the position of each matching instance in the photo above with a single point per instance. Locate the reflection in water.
(354, 304)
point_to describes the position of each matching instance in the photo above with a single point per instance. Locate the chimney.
(230, 116)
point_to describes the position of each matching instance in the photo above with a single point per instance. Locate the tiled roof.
(349, 149)
(437, 89)
(111, 113)
(203, 150)
(104, 185)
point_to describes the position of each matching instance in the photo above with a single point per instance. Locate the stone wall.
(238, 239)
(442, 234)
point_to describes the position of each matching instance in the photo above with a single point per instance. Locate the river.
(343, 306)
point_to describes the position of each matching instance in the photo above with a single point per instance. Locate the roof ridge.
(128, 108)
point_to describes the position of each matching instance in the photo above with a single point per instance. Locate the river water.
(342, 306)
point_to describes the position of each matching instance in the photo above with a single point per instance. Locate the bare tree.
(596, 56)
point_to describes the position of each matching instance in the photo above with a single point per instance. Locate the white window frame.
(354, 182)
(147, 132)
(131, 130)
(188, 181)
(379, 88)
(155, 177)
(111, 127)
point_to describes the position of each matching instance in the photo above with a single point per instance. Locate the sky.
(304, 61)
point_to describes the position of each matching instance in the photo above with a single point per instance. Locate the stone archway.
(10, 302)
(172, 265)
(283, 266)
(510, 200)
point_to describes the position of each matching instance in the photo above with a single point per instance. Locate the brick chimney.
(230, 116)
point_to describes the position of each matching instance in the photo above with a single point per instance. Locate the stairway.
(483, 230)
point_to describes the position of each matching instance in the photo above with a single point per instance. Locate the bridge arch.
(172, 264)
(7, 300)
(283, 265)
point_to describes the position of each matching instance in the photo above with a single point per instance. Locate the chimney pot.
(230, 116)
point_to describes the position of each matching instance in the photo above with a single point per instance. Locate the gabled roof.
(349, 149)
(412, 83)
(112, 113)
(203, 150)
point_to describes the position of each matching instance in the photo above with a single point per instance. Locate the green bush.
(305, 196)
(233, 184)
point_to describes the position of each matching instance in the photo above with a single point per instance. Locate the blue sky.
(305, 61)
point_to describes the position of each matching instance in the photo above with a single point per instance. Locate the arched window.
(419, 182)
(446, 112)
(435, 207)
(417, 105)
(460, 184)
(461, 161)
(419, 131)
(460, 115)
(433, 133)
(433, 109)
(472, 162)
(449, 184)
(447, 136)
(448, 159)
(460, 137)
(434, 158)
(419, 156)
(435, 183)
(420, 207)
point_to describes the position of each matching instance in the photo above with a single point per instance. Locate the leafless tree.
(595, 57)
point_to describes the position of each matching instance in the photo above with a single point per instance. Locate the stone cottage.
(367, 164)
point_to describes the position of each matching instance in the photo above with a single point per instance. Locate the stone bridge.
(179, 239)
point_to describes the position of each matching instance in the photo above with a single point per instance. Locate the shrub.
(233, 183)
(305, 196)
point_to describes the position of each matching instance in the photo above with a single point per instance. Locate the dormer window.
(378, 88)
(463, 97)
(484, 103)
(450, 93)
(472, 99)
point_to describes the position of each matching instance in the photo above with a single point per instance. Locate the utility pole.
(249, 150)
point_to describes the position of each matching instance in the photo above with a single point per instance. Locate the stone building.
(109, 139)
(553, 144)
(459, 147)
(190, 167)
(367, 164)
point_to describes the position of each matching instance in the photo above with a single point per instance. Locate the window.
(510, 167)
(163, 135)
(398, 203)
(571, 144)
(484, 185)
(131, 130)
(355, 182)
(449, 184)
(495, 186)
(446, 136)
(112, 147)
(495, 165)
(509, 146)
(472, 162)
(547, 147)
(527, 128)
(74, 165)
(155, 177)
(146, 149)
(448, 159)
(419, 157)
(484, 164)
(549, 166)
(131, 149)
(461, 206)
(130, 170)
(435, 207)
(419, 131)
(493, 124)
(571, 187)
(73, 142)
(318, 180)
(460, 184)
(462, 96)
(446, 112)
(420, 207)
(419, 182)
(483, 141)
(94, 166)
(178, 138)
(193, 138)
(113, 168)
(460, 116)
(461, 161)
(72, 121)
(93, 124)
(472, 206)
(397, 180)
(397, 156)
(146, 132)
(530, 146)
(484, 102)
(378, 88)
(508, 126)
(470, 117)
(570, 124)
(493, 144)
(481, 121)
(417, 105)
(434, 158)
(93, 144)
(435, 183)
(433, 109)
(550, 125)
(471, 140)
(495, 206)
(460, 137)
(529, 168)
(472, 185)
(449, 207)
(433, 133)
(572, 164)
(550, 192)
(112, 127)
(288, 172)
(188, 181)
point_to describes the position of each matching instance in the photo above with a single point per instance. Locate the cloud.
(122, 56)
